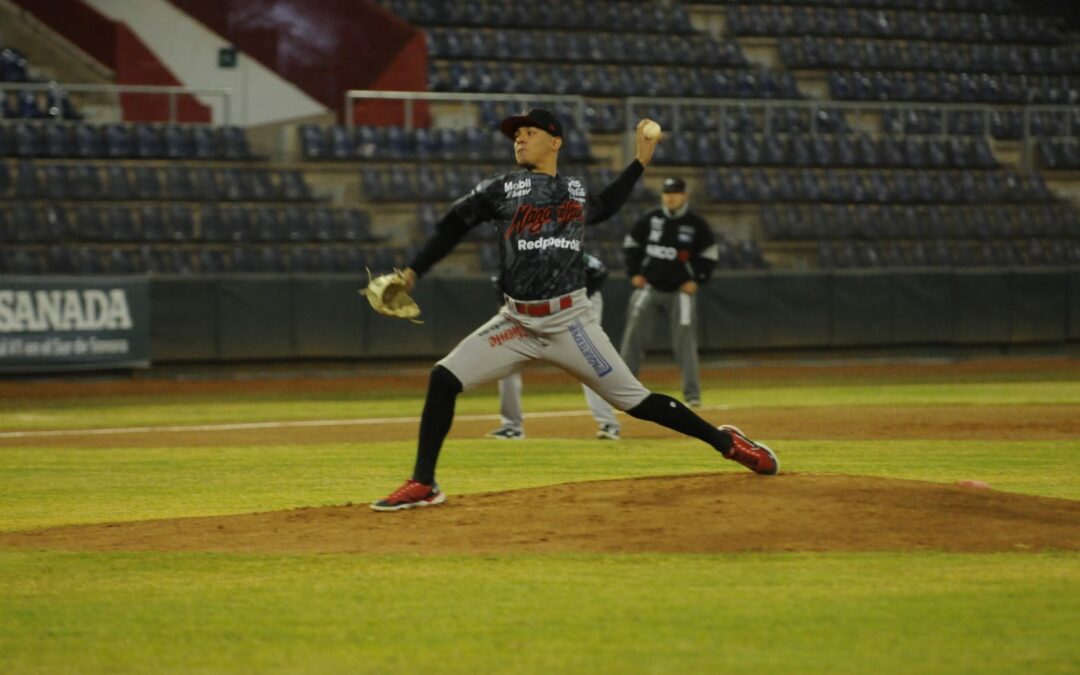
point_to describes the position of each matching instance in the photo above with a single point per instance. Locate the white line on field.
(241, 426)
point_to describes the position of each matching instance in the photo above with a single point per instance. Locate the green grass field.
(81, 612)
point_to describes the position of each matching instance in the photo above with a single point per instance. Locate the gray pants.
(510, 391)
(681, 309)
(571, 339)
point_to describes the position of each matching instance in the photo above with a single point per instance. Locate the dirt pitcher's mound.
(705, 513)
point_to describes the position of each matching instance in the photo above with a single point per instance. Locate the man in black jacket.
(670, 253)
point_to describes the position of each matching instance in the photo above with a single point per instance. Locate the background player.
(670, 251)
(513, 423)
(540, 218)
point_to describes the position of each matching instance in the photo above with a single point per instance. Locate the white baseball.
(651, 130)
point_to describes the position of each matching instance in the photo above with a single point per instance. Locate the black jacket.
(669, 251)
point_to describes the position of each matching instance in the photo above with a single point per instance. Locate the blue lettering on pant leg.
(599, 365)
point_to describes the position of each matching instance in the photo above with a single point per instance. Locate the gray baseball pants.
(510, 390)
(570, 338)
(681, 309)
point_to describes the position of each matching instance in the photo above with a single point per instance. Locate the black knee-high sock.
(668, 412)
(443, 388)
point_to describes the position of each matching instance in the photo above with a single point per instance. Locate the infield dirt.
(703, 513)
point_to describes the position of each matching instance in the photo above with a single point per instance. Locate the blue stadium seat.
(56, 224)
(233, 143)
(176, 142)
(983, 155)
(266, 226)
(13, 65)
(759, 186)
(238, 224)
(293, 187)
(89, 225)
(915, 153)
(205, 185)
(937, 154)
(892, 153)
(323, 225)
(355, 226)
(211, 224)
(118, 224)
(179, 184)
(231, 186)
(259, 185)
(399, 186)
(119, 186)
(121, 261)
(55, 183)
(868, 151)
(27, 183)
(147, 141)
(204, 143)
(57, 141)
(799, 152)
(117, 143)
(23, 105)
(774, 151)
(87, 141)
(313, 142)
(296, 222)
(821, 151)
(147, 184)
(85, 181)
(722, 149)
(26, 139)
(373, 183)
(61, 260)
(750, 150)
(151, 224)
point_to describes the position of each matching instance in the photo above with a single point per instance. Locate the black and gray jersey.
(671, 249)
(596, 273)
(539, 222)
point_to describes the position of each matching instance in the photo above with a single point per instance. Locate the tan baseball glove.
(388, 294)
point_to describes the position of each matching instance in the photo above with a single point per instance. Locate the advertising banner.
(70, 323)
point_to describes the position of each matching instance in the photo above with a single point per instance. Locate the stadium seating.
(124, 141)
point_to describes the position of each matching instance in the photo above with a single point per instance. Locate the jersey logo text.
(517, 188)
(661, 252)
(529, 219)
(548, 242)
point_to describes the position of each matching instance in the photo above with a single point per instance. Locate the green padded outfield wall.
(240, 318)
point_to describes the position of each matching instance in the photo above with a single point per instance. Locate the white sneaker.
(507, 434)
(608, 432)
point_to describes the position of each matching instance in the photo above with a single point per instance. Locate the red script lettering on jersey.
(529, 219)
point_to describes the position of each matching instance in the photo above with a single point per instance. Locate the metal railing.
(225, 94)
(856, 110)
(409, 98)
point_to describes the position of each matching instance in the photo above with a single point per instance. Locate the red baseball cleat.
(754, 456)
(410, 496)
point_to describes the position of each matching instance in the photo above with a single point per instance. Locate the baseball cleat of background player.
(754, 456)
(507, 434)
(608, 432)
(411, 495)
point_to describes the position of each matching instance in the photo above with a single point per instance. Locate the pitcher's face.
(533, 146)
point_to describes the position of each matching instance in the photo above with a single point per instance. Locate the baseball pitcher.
(540, 217)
